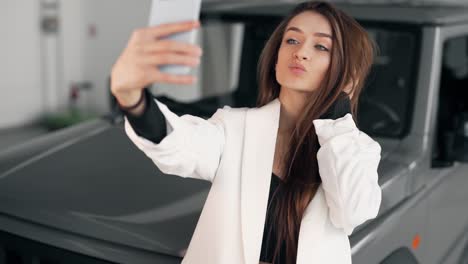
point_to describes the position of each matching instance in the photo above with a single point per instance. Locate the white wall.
(21, 97)
(72, 36)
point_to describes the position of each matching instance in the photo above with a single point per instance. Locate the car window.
(386, 102)
(452, 102)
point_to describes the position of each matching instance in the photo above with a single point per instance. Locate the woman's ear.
(349, 88)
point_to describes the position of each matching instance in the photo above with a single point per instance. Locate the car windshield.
(232, 47)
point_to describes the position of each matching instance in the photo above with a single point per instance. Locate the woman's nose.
(301, 54)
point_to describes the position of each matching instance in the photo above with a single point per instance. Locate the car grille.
(18, 250)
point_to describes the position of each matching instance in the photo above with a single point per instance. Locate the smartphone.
(170, 11)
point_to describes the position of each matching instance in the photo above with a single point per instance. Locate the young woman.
(291, 178)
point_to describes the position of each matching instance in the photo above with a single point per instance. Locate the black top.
(269, 239)
(152, 126)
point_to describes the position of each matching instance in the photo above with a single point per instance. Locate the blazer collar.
(261, 129)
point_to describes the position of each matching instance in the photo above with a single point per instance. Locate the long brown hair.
(352, 55)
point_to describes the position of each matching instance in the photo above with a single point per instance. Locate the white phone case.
(169, 11)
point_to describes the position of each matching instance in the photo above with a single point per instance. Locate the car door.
(448, 209)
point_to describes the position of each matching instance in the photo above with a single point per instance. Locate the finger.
(163, 30)
(162, 77)
(173, 46)
(177, 79)
(170, 58)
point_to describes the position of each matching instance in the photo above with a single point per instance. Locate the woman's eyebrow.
(318, 34)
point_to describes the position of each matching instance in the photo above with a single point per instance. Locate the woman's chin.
(298, 87)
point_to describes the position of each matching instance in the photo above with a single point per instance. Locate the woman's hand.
(136, 67)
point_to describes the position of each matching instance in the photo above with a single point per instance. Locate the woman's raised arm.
(192, 147)
(186, 146)
(348, 160)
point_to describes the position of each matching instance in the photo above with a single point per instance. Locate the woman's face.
(307, 41)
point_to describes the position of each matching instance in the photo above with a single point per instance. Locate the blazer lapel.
(261, 128)
(312, 232)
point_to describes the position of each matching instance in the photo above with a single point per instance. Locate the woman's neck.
(292, 105)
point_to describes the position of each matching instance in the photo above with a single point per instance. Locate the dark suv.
(85, 194)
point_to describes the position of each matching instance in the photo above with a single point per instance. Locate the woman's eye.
(288, 41)
(321, 47)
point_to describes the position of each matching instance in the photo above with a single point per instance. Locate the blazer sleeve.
(348, 160)
(192, 146)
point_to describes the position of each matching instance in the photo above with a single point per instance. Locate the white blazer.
(234, 150)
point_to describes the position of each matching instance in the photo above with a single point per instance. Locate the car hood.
(96, 183)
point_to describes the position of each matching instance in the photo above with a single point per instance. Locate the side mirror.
(461, 138)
